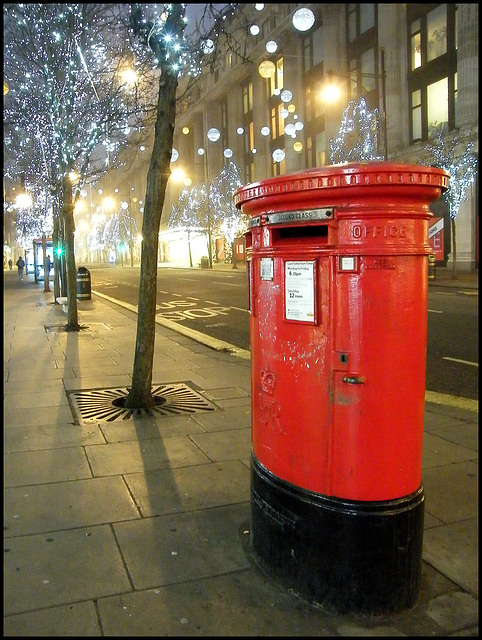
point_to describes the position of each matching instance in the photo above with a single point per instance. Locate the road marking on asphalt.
(472, 364)
(229, 284)
(213, 343)
(434, 311)
(452, 401)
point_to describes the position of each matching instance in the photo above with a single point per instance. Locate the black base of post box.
(347, 556)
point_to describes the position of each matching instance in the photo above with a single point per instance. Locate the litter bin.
(204, 262)
(83, 284)
(431, 267)
(337, 269)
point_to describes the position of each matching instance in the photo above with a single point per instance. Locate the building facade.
(264, 107)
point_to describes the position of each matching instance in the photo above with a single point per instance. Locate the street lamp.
(331, 92)
(23, 201)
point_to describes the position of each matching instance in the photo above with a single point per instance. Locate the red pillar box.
(337, 263)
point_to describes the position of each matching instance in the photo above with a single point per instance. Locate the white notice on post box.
(300, 291)
(266, 268)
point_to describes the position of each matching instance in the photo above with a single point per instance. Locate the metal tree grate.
(107, 405)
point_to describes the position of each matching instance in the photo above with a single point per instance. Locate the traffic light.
(59, 251)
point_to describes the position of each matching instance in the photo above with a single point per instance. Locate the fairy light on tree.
(230, 222)
(184, 217)
(212, 209)
(357, 138)
(65, 101)
(451, 155)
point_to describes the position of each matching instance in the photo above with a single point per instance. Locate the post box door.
(380, 320)
(291, 360)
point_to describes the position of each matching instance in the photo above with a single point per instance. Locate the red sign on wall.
(436, 237)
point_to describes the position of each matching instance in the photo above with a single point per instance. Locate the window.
(360, 19)
(417, 115)
(277, 122)
(433, 67)
(363, 77)
(224, 123)
(276, 80)
(367, 17)
(312, 46)
(437, 104)
(248, 137)
(362, 57)
(247, 98)
(437, 32)
(278, 168)
(274, 85)
(249, 172)
(416, 45)
(277, 139)
(248, 127)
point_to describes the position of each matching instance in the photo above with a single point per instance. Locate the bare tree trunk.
(44, 253)
(140, 393)
(189, 247)
(55, 243)
(69, 227)
(454, 248)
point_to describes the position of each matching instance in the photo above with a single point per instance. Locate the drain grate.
(61, 328)
(107, 405)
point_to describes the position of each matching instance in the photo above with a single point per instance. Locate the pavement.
(118, 525)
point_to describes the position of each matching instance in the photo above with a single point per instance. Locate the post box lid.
(336, 183)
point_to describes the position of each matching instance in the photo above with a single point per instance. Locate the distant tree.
(230, 220)
(211, 208)
(450, 154)
(184, 216)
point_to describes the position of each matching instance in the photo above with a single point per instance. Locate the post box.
(337, 267)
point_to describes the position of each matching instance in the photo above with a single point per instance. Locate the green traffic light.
(58, 251)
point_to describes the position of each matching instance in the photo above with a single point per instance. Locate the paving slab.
(77, 619)
(62, 567)
(190, 488)
(146, 428)
(224, 445)
(66, 505)
(454, 549)
(51, 465)
(185, 547)
(48, 436)
(145, 455)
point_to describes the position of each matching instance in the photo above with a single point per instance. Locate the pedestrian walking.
(20, 265)
(10, 264)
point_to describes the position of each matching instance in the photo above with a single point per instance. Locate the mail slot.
(337, 264)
